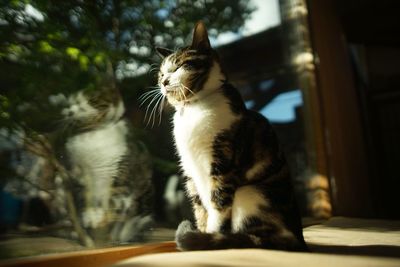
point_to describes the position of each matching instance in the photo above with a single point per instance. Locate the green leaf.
(46, 47)
(83, 61)
(73, 52)
(99, 59)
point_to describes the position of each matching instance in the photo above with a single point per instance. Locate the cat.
(236, 174)
(111, 174)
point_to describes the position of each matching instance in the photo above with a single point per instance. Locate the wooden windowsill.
(91, 258)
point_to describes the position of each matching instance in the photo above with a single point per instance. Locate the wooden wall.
(344, 135)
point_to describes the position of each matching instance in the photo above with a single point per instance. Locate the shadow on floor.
(367, 250)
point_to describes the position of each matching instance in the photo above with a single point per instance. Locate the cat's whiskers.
(182, 94)
(154, 98)
(187, 88)
(149, 96)
(154, 111)
(151, 116)
(179, 90)
(148, 93)
(67, 123)
(160, 110)
(154, 70)
(172, 86)
(154, 87)
(154, 67)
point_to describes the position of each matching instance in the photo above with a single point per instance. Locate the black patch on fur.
(222, 154)
(253, 223)
(222, 196)
(196, 199)
(226, 226)
(235, 100)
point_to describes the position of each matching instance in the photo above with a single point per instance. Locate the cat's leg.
(249, 205)
(252, 213)
(219, 214)
(199, 211)
(200, 214)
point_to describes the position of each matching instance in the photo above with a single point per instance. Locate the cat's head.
(88, 110)
(191, 72)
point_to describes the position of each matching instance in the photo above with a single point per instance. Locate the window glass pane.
(87, 158)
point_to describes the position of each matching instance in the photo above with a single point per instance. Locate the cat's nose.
(165, 82)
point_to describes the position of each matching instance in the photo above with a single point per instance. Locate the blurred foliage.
(51, 47)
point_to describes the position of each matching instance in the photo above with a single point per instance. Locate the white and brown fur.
(111, 176)
(237, 176)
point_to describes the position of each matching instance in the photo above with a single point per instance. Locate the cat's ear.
(163, 52)
(200, 37)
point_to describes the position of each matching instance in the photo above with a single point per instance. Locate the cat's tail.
(187, 238)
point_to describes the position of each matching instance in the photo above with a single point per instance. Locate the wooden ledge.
(92, 258)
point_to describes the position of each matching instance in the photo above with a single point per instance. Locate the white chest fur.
(95, 156)
(195, 129)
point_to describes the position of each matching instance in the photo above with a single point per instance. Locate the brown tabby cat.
(237, 176)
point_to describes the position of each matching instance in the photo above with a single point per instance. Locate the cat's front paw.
(184, 227)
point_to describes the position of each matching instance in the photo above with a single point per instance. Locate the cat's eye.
(172, 69)
(191, 64)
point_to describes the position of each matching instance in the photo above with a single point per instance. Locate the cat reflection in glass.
(109, 172)
(236, 174)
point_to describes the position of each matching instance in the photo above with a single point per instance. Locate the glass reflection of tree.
(60, 48)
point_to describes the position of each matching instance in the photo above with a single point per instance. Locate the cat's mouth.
(179, 92)
(168, 90)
